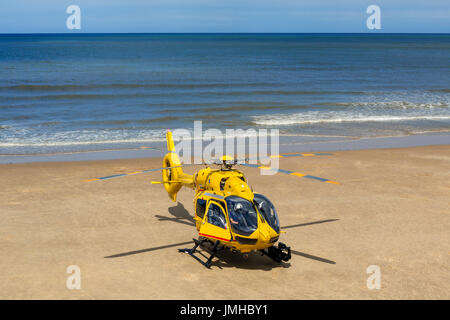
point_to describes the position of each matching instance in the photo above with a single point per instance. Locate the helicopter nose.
(264, 236)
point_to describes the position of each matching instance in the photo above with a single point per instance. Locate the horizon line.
(81, 33)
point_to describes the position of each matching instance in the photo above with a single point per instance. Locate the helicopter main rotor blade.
(148, 249)
(295, 154)
(137, 172)
(152, 148)
(163, 182)
(281, 155)
(293, 173)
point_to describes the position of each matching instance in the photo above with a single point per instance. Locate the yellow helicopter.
(228, 214)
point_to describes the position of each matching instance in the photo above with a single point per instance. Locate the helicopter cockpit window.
(242, 214)
(216, 216)
(200, 208)
(266, 208)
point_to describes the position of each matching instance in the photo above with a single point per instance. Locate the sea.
(63, 93)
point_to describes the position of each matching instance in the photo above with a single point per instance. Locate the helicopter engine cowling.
(237, 186)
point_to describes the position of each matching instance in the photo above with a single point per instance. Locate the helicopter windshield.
(242, 214)
(266, 208)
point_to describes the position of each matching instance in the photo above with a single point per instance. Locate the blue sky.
(28, 16)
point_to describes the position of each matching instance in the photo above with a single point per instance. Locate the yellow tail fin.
(170, 144)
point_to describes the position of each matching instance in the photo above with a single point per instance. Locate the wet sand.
(392, 209)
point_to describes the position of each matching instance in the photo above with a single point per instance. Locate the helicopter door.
(214, 224)
(200, 209)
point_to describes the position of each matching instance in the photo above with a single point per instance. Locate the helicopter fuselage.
(218, 192)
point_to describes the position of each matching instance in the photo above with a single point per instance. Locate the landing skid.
(200, 243)
(279, 253)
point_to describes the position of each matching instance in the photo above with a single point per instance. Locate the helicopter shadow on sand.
(179, 214)
(226, 258)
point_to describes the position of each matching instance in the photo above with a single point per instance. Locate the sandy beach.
(392, 210)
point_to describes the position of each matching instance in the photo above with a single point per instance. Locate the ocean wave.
(163, 94)
(428, 131)
(237, 107)
(75, 143)
(129, 121)
(96, 96)
(25, 138)
(324, 118)
(441, 90)
(74, 87)
(390, 104)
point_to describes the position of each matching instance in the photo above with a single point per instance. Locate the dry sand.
(391, 210)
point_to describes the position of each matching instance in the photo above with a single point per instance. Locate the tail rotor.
(173, 176)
